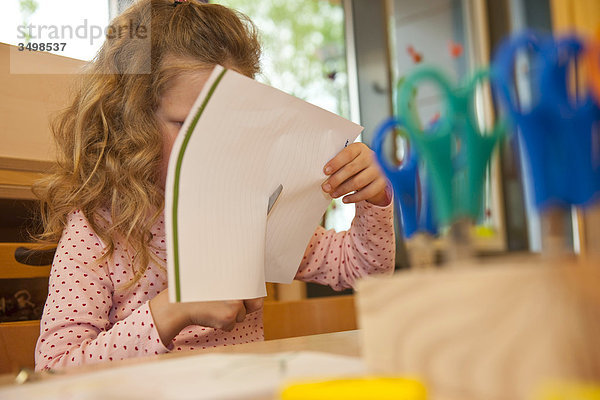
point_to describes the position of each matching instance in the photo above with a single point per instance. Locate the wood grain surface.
(494, 331)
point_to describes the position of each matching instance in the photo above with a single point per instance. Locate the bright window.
(304, 55)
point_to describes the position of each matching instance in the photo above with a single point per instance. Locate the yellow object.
(357, 389)
(485, 231)
(569, 391)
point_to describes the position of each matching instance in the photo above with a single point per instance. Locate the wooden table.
(340, 343)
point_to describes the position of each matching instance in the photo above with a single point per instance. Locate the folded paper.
(240, 142)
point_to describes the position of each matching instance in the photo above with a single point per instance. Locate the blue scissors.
(561, 135)
(455, 150)
(413, 204)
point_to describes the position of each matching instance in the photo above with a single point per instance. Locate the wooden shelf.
(18, 175)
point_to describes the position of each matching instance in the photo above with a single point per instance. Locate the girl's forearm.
(168, 320)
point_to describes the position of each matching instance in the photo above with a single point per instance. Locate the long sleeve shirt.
(97, 312)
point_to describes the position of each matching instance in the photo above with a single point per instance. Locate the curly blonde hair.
(108, 139)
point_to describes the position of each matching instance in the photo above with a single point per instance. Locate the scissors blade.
(273, 198)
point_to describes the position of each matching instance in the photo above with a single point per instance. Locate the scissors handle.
(403, 178)
(559, 54)
(427, 220)
(503, 68)
(406, 97)
(478, 147)
(560, 136)
(578, 125)
(434, 146)
(457, 169)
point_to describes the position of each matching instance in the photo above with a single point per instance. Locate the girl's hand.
(354, 170)
(171, 318)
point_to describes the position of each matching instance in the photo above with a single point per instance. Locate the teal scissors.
(456, 151)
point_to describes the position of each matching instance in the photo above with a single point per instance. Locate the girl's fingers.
(362, 161)
(349, 170)
(367, 192)
(241, 314)
(356, 182)
(343, 158)
(228, 327)
(253, 305)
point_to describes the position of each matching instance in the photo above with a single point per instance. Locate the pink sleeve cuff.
(145, 316)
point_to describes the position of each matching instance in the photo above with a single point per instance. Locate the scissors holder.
(496, 331)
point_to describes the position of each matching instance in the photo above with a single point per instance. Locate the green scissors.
(455, 150)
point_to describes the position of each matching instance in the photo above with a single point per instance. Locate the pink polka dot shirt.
(94, 314)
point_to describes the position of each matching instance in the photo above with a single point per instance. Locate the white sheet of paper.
(206, 376)
(242, 140)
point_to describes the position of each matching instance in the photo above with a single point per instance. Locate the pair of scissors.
(412, 201)
(455, 150)
(560, 134)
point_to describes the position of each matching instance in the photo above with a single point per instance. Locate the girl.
(108, 295)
